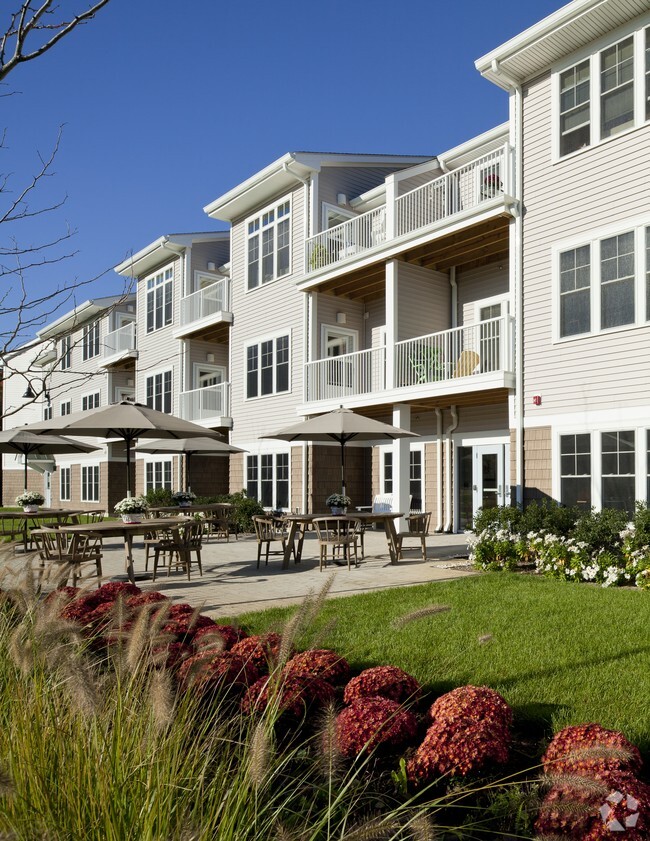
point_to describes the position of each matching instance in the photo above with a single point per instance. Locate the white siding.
(477, 285)
(423, 301)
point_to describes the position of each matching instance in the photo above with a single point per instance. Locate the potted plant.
(338, 503)
(183, 498)
(132, 508)
(30, 500)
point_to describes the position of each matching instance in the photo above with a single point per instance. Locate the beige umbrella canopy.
(341, 425)
(189, 446)
(26, 443)
(127, 421)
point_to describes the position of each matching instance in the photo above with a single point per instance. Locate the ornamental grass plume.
(259, 754)
(384, 681)
(217, 636)
(574, 811)
(422, 613)
(374, 723)
(585, 748)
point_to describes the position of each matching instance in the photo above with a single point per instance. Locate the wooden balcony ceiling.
(125, 364)
(478, 245)
(219, 333)
(492, 397)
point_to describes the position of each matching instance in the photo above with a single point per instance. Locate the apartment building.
(494, 298)
(83, 360)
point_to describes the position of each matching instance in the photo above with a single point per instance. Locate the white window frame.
(67, 484)
(258, 343)
(595, 429)
(636, 29)
(47, 412)
(124, 393)
(93, 397)
(85, 497)
(273, 455)
(257, 219)
(67, 405)
(90, 341)
(66, 353)
(165, 464)
(162, 279)
(388, 448)
(328, 208)
(152, 376)
(326, 330)
(198, 367)
(638, 226)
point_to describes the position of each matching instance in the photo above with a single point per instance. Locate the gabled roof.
(149, 256)
(282, 174)
(570, 28)
(83, 312)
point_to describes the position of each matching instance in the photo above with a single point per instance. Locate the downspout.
(448, 471)
(518, 267)
(454, 296)
(439, 526)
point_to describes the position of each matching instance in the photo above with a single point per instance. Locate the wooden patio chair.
(182, 542)
(418, 528)
(337, 534)
(270, 530)
(67, 554)
(467, 362)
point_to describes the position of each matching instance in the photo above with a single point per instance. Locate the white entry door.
(489, 489)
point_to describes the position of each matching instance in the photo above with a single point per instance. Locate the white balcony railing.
(121, 340)
(206, 301)
(211, 401)
(363, 372)
(483, 348)
(462, 190)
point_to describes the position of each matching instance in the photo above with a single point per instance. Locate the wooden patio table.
(127, 531)
(386, 518)
(209, 508)
(50, 515)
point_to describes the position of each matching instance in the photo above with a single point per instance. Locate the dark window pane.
(618, 492)
(576, 492)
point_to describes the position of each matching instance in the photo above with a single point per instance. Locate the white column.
(401, 464)
(391, 321)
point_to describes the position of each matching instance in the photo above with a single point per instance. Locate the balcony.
(119, 347)
(478, 357)
(208, 406)
(475, 192)
(206, 313)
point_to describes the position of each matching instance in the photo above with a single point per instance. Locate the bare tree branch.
(43, 28)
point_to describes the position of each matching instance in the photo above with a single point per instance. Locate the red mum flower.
(185, 625)
(226, 635)
(292, 694)
(473, 702)
(79, 609)
(588, 814)
(374, 723)
(320, 662)
(180, 609)
(585, 748)
(101, 617)
(150, 597)
(171, 656)
(260, 649)
(382, 681)
(208, 670)
(459, 747)
(116, 589)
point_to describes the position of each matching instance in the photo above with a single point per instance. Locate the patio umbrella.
(26, 443)
(127, 421)
(189, 446)
(341, 425)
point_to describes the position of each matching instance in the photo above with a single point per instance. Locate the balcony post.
(391, 196)
(402, 464)
(391, 321)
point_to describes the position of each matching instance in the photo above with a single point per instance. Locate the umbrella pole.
(25, 479)
(188, 486)
(127, 441)
(343, 468)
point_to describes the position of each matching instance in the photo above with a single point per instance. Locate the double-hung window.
(269, 244)
(575, 470)
(158, 474)
(159, 299)
(267, 479)
(617, 470)
(267, 367)
(604, 94)
(65, 353)
(159, 391)
(65, 484)
(65, 408)
(90, 483)
(88, 401)
(604, 284)
(90, 341)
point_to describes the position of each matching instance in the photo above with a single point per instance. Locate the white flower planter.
(133, 517)
(30, 509)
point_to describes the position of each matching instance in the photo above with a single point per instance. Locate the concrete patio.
(232, 584)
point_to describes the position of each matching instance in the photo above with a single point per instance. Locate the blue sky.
(167, 105)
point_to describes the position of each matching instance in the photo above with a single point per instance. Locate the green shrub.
(504, 517)
(159, 497)
(243, 511)
(548, 515)
(601, 529)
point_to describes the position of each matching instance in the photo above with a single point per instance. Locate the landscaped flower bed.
(598, 547)
(387, 715)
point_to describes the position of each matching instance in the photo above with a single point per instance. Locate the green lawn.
(560, 653)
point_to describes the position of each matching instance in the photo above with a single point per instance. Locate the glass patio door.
(489, 476)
